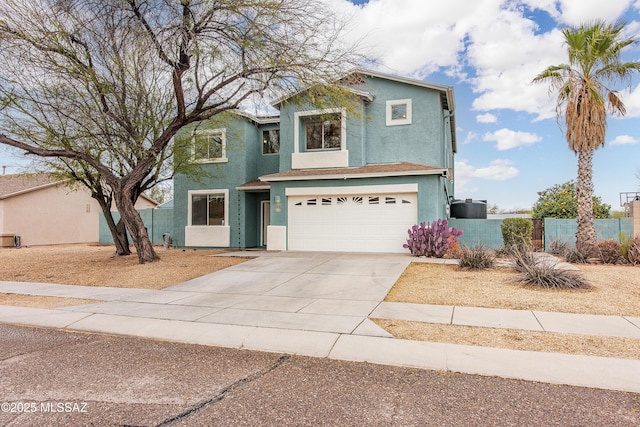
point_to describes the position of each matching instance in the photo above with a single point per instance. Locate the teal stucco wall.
(245, 162)
(427, 140)
(418, 142)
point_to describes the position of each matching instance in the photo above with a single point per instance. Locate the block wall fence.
(157, 221)
(489, 233)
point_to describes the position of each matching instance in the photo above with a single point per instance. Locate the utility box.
(6, 240)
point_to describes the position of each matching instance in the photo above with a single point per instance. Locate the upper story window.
(323, 132)
(320, 139)
(209, 146)
(207, 208)
(399, 112)
(271, 141)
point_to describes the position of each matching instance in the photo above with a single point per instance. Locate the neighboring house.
(43, 210)
(325, 180)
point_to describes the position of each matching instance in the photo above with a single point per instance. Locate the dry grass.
(627, 348)
(98, 266)
(615, 291)
(41, 302)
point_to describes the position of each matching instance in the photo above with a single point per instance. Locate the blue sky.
(510, 145)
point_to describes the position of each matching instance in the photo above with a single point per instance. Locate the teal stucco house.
(332, 179)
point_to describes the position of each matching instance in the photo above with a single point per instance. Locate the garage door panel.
(362, 223)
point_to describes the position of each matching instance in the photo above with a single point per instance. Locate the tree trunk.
(118, 231)
(135, 225)
(120, 238)
(586, 235)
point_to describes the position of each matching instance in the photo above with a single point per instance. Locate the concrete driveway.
(325, 292)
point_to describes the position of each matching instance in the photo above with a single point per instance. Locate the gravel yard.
(615, 291)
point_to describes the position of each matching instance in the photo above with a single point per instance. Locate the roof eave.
(31, 189)
(354, 175)
(361, 93)
(254, 188)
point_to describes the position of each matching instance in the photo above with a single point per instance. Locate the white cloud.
(411, 37)
(507, 55)
(631, 100)
(624, 140)
(486, 118)
(497, 170)
(471, 136)
(575, 12)
(507, 139)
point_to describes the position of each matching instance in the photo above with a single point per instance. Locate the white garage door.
(354, 223)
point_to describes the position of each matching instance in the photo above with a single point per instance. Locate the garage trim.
(349, 190)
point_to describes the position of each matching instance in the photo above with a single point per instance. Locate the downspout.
(445, 120)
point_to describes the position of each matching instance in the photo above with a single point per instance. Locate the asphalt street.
(59, 378)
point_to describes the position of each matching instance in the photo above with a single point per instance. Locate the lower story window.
(208, 209)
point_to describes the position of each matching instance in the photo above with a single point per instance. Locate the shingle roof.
(255, 184)
(19, 183)
(390, 169)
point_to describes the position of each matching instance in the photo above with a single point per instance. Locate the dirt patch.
(627, 348)
(615, 291)
(98, 266)
(41, 302)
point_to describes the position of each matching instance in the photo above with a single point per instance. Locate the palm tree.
(584, 94)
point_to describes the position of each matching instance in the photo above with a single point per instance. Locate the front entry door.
(265, 220)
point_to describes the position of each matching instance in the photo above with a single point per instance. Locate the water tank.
(469, 209)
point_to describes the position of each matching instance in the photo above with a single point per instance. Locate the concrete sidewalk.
(320, 304)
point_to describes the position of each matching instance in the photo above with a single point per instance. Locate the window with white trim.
(209, 146)
(207, 209)
(323, 132)
(399, 112)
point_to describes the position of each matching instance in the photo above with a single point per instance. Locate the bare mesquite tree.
(108, 83)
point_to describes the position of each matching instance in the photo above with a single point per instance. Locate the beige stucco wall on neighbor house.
(52, 215)
(141, 203)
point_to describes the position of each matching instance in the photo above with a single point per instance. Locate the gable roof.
(446, 94)
(15, 184)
